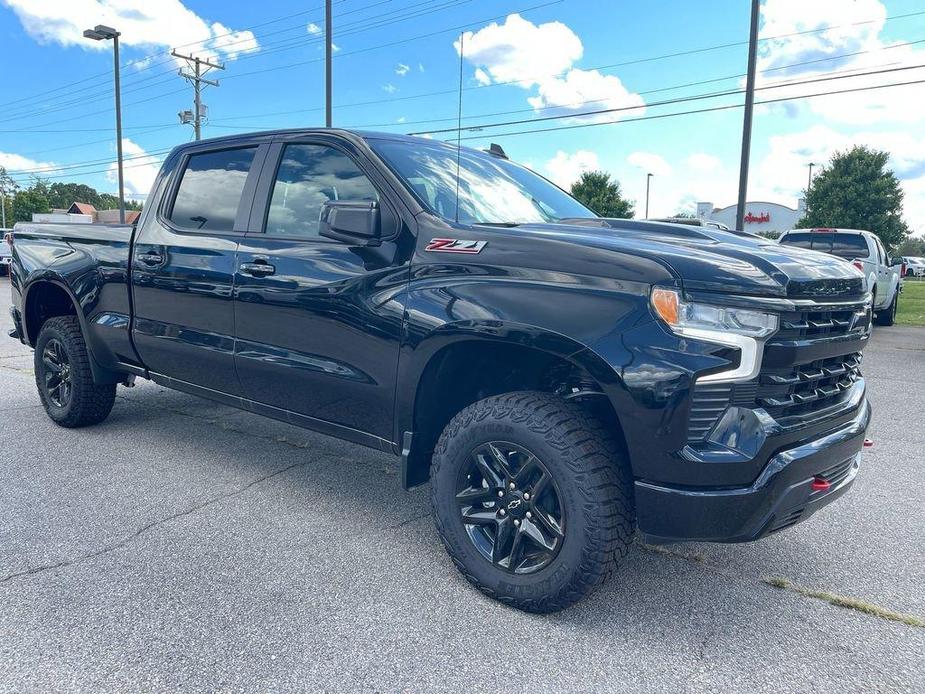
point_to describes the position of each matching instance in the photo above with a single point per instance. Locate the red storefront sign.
(760, 218)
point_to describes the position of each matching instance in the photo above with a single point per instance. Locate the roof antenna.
(462, 38)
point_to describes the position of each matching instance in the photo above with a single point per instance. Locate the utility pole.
(749, 109)
(197, 80)
(648, 180)
(809, 180)
(328, 51)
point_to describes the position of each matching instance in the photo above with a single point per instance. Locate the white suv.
(915, 267)
(866, 252)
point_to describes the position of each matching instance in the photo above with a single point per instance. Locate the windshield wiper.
(499, 224)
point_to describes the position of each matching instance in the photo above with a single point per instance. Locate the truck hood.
(708, 259)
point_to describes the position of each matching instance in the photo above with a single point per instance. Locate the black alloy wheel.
(57, 373)
(510, 507)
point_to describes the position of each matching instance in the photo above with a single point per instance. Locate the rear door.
(183, 266)
(884, 274)
(318, 322)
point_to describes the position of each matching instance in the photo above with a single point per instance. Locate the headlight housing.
(744, 329)
(683, 316)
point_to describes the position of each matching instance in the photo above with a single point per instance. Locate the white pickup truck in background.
(865, 251)
(6, 253)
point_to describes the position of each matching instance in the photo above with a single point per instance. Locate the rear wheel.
(532, 499)
(64, 379)
(888, 315)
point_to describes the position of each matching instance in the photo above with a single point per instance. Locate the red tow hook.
(868, 443)
(820, 484)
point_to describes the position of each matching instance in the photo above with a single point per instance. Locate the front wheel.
(888, 315)
(64, 379)
(532, 499)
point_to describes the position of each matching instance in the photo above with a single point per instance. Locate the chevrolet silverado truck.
(562, 380)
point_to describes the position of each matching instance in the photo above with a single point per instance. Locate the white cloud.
(564, 169)
(160, 24)
(17, 162)
(313, 29)
(401, 119)
(650, 163)
(542, 57)
(700, 161)
(401, 69)
(389, 88)
(420, 67)
(854, 32)
(139, 171)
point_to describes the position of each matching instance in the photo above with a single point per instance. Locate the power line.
(696, 97)
(711, 109)
(695, 111)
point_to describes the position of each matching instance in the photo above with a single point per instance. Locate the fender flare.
(100, 375)
(417, 361)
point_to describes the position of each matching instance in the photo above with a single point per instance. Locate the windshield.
(492, 190)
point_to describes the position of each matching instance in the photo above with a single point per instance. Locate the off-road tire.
(887, 316)
(593, 481)
(89, 402)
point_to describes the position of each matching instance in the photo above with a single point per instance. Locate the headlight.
(733, 327)
(682, 316)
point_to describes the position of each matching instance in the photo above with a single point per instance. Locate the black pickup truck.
(561, 379)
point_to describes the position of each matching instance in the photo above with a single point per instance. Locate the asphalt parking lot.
(185, 545)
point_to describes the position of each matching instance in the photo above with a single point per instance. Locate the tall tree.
(596, 191)
(8, 188)
(30, 201)
(857, 191)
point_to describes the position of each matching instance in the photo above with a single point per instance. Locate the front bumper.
(781, 496)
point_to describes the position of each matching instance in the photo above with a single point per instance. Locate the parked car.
(866, 252)
(914, 266)
(561, 379)
(6, 252)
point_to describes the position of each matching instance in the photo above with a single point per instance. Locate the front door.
(183, 268)
(318, 321)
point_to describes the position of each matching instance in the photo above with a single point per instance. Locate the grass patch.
(911, 309)
(846, 602)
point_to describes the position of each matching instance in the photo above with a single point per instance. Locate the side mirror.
(357, 223)
(896, 261)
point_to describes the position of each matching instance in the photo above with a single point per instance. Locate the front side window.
(309, 176)
(491, 190)
(210, 189)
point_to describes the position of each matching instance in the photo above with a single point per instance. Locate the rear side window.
(210, 189)
(308, 177)
(849, 246)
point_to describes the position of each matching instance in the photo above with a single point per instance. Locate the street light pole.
(648, 179)
(104, 33)
(809, 181)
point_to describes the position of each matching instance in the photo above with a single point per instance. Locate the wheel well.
(45, 300)
(466, 372)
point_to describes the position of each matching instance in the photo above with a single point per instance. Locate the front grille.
(795, 391)
(803, 377)
(820, 322)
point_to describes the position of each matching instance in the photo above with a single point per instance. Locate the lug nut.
(502, 512)
(512, 485)
(516, 522)
(526, 496)
(529, 515)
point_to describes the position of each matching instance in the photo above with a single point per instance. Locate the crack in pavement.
(784, 584)
(150, 526)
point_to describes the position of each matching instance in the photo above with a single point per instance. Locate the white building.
(760, 217)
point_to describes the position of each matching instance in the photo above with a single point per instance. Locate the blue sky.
(397, 68)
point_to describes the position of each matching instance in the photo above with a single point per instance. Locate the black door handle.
(259, 268)
(151, 258)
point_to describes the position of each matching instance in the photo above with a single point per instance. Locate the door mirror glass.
(358, 223)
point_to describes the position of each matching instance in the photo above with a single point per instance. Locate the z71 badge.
(455, 246)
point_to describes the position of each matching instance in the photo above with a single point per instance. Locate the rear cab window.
(210, 189)
(848, 246)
